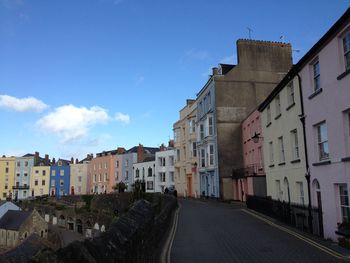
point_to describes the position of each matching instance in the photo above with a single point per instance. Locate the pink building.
(252, 180)
(325, 80)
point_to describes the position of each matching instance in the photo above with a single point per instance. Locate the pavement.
(213, 231)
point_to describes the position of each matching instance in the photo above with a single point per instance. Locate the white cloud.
(72, 123)
(22, 104)
(123, 118)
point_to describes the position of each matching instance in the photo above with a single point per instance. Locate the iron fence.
(295, 215)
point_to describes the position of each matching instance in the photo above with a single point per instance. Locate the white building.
(145, 172)
(164, 169)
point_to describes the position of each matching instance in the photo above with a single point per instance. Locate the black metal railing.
(21, 187)
(295, 215)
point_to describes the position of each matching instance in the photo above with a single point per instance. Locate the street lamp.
(256, 137)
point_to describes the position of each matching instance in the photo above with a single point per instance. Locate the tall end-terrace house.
(185, 143)
(283, 142)
(21, 187)
(60, 178)
(136, 154)
(231, 93)
(325, 80)
(144, 172)
(78, 176)
(7, 176)
(40, 176)
(252, 180)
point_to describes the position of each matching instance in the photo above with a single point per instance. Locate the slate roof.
(147, 150)
(13, 220)
(28, 155)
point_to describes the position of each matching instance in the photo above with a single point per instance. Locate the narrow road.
(218, 232)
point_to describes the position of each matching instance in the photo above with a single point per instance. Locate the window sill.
(295, 161)
(280, 164)
(346, 72)
(345, 159)
(322, 163)
(279, 115)
(315, 93)
(267, 125)
(290, 106)
(271, 165)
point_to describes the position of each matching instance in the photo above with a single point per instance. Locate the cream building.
(40, 180)
(283, 142)
(186, 176)
(7, 176)
(78, 176)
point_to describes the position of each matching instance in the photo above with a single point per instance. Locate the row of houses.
(266, 127)
(31, 175)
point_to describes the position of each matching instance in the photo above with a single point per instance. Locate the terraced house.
(60, 178)
(7, 176)
(24, 164)
(40, 176)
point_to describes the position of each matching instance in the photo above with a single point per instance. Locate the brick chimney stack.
(36, 158)
(53, 160)
(47, 161)
(72, 160)
(140, 153)
(76, 160)
(171, 144)
(162, 147)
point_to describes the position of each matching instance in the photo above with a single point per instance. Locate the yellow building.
(7, 176)
(39, 180)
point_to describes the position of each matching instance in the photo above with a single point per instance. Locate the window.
(105, 178)
(268, 115)
(61, 182)
(43, 182)
(210, 125)
(300, 189)
(44, 173)
(105, 165)
(117, 164)
(18, 174)
(137, 174)
(36, 171)
(295, 145)
(290, 93)
(79, 179)
(149, 185)
(161, 161)
(53, 182)
(193, 126)
(95, 178)
(6, 186)
(201, 131)
(36, 182)
(79, 189)
(211, 154)
(126, 162)
(18, 164)
(322, 140)
(202, 158)
(278, 105)
(53, 172)
(346, 45)
(26, 163)
(61, 172)
(271, 153)
(278, 190)
(7, 170)
(126, 175)
(177, 154)
(25, 174)
(194, 149)
(171, 160)
(344, 202)
(100, 178)
(171, 175)
(281, 148)
(149, 172)
(4, 195)
(162, 177)
(316, 71)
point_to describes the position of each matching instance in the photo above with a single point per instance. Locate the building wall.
(186, 156)
(145, 172)
(331, 106)
(59, 179)
(252, 159)
(289, 173)
(23, 167)
(118, 168)
(78, 178)
(101, 169)
(7, 176)
(39, 180)
(164, 172)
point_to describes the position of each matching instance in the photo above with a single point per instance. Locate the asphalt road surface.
(218, 232)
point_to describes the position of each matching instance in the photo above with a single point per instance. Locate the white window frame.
(290, 93)
(295, 144)
(211, 154)
(210, 125)
(316, 75)
(346, 49)
(301, 194)
(322, 143)
(271, 153)
(278, 105)
(202, 157)
(344, 203)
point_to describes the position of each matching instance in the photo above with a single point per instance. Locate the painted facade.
(7, 176)
(325, 81)
(253, 180)
(283, 143)
(40, 180)
(60, 178)
(186, 153)
(78, 176)
(23, 166)
(145, 172)
(164, 169)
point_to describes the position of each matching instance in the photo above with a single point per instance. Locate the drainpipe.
(307, 174)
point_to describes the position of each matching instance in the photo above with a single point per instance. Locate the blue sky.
(84, 76)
